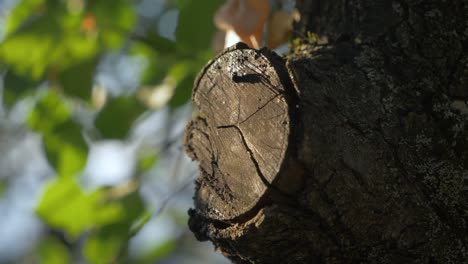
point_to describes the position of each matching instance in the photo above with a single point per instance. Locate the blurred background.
(94, 98)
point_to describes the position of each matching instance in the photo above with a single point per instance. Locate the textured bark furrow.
(423, 198)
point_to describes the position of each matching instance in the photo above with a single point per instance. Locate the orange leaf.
(89, 23)
(245, 17)
(279, 29)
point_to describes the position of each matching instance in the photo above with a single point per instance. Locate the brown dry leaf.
(217, 43)
(279, 29)
(245, 17)
(224, 17)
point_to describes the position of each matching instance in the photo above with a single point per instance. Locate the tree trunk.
(353, 149)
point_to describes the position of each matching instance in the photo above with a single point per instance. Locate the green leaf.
(21, 12)
(64, 145)
(140, 48)
(158, 43)
(184, 74)
(134, 209)
(77, 80)
(52, 251)
(49, 112)
(183, 92)
(66, 149)
(180, 70)
(118, 115)
(65, 206)
(3, 187)
(180, 3)
(29, 52)
(114, 20)
(16, 87)
(108, 242)
(104, 246)
(49, 43)
(195, 27)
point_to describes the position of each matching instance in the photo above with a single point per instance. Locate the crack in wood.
(251, 155)
(260, 108)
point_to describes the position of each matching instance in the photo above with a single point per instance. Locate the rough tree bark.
(352, 149)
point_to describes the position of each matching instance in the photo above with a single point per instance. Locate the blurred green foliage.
(118, 114)
(50, 53)
(64, 145)
(53, 251)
